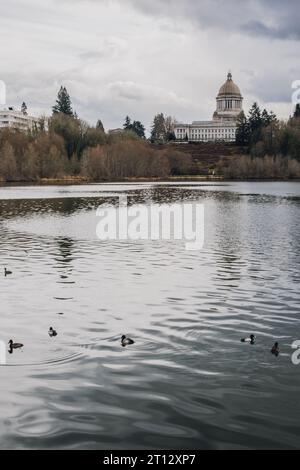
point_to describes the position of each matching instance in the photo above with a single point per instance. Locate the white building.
(223, 125)
(13, 118)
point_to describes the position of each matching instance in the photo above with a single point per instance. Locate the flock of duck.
(274, 350)
(125, 341)
(52, 333)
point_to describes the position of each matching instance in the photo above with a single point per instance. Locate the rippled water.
(188, 381)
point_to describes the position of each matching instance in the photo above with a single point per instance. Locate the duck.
(126, 341)
(13, 345)
(7, 272)
(250, 340)
(275, 349)
(52, 332)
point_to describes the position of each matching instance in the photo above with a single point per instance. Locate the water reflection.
(187, 382)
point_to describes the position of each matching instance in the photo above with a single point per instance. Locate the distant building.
(116, 131)
(16, 119)
(223, 125)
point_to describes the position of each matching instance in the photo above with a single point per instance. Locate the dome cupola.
(229, 101)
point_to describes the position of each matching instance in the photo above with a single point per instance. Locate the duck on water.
(275, 349)
(52, 332)
(13, 346)
(250, 340)
(126, 341)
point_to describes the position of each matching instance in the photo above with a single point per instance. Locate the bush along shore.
(70, 149)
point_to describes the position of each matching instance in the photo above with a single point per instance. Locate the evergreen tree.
(127, 126)
(158, 130)
(24, 109)
(297, 111)
(63, 103)
(171, 136)
(268, 118)
(255, 121)
(255, 118)
(135, 126)
(139, 129)
(242, 130)
(100, 126)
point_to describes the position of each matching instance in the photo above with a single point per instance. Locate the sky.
(142, 57)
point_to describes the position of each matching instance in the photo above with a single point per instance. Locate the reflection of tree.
(66, 206)
(64, 256)
(65, 246)
(229, 218)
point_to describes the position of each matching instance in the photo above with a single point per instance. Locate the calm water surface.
(188, 381)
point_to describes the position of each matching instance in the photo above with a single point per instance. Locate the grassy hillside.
(206, 155)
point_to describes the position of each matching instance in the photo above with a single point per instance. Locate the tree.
(100, 126)
(255, 119)
(24, 109)
(69, 129)
(8, 165)
(171, 136)
(127, 124)
(135, 126)
(242, 130)
(30, 167)
(170, 123)
(297, 111)
(139, 129)
(42, 123)
(158, 129)
(63, 103)
(261, 132)
(268, 118)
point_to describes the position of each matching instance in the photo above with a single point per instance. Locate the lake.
(188, 382)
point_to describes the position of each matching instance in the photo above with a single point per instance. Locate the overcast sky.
(141, 57)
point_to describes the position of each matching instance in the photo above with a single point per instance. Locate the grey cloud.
(119, 57)
(272, 19)
(109, 47)
(138, 92)
(273, 87)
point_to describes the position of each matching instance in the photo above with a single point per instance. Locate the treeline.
(268, 167)
(272, 147)
(162, 129)
(72, 149)
(131, 158)
(66, 146)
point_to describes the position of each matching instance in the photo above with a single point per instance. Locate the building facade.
(15, 119)
(223, 125)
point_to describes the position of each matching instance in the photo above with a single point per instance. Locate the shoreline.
(187, 178)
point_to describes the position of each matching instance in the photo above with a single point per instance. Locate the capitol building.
(223, 124)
